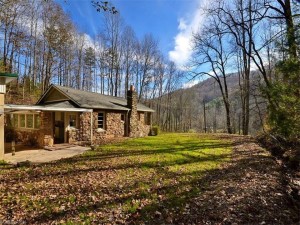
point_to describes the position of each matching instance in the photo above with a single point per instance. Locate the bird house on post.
(4, 79)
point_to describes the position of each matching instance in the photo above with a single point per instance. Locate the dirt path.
(248, 190)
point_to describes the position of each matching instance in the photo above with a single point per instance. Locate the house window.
(15, 120)
(28, 121)
(37, 121)
(123, 117)
(22, 121)
(101, 120)
(72, 121)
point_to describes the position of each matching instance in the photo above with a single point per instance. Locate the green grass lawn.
(114, 183)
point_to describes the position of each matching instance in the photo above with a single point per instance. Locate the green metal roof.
(8, 76)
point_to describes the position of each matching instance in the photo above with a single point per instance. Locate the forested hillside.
(40, 42)
(259, 42)
(248, 49)
(183, 110)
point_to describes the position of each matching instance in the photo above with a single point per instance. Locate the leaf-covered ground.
(167, 179)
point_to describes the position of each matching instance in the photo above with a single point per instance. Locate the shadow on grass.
(221, 196)
(99, 156)
(247, 191)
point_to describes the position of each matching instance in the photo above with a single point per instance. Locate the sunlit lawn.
(114, 183)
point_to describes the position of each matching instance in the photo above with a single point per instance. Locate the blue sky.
(170, 21)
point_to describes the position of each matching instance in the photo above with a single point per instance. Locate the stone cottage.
(67, 115)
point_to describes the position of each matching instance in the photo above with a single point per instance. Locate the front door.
(59, 127)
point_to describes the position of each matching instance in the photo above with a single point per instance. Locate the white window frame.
(25, 127)
(103, 120)
(19, 121)
(73, 114)
(123, 115)
(26, 121)
(34, 125)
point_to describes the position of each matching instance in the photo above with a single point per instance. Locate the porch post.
(1, 126)
(91, 127)
(13, 143)
(4, 79)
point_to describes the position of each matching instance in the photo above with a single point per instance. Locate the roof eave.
(12, 107)
(150, 110)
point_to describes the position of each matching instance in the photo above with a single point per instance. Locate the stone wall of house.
(83, 134)
(29, 137)
(143, 129)
(46, 130)
(73, 136)
(99, 135)
(133, 114)
(114, 128)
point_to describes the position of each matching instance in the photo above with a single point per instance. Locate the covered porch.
(35, 127)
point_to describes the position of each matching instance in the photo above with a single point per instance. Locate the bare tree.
(112, 30)
(128, 49)
(148, 51)
(210, 49)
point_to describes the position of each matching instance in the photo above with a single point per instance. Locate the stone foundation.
(29, 137)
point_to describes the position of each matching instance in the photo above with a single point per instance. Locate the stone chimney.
(133, 114)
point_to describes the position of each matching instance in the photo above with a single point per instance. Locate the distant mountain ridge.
(183, 109)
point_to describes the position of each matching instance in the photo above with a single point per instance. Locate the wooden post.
(13, 143)
(4, 79)
(239, 123)
(92, 128)
(13, 147)
(204, 112)
(1, 126)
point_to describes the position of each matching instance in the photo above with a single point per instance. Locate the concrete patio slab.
(41, 155)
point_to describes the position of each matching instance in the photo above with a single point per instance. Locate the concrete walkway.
(41, 155)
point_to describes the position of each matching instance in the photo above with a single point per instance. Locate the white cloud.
(89, 42)
(190, 84)
(182, 24)
(182, 51)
